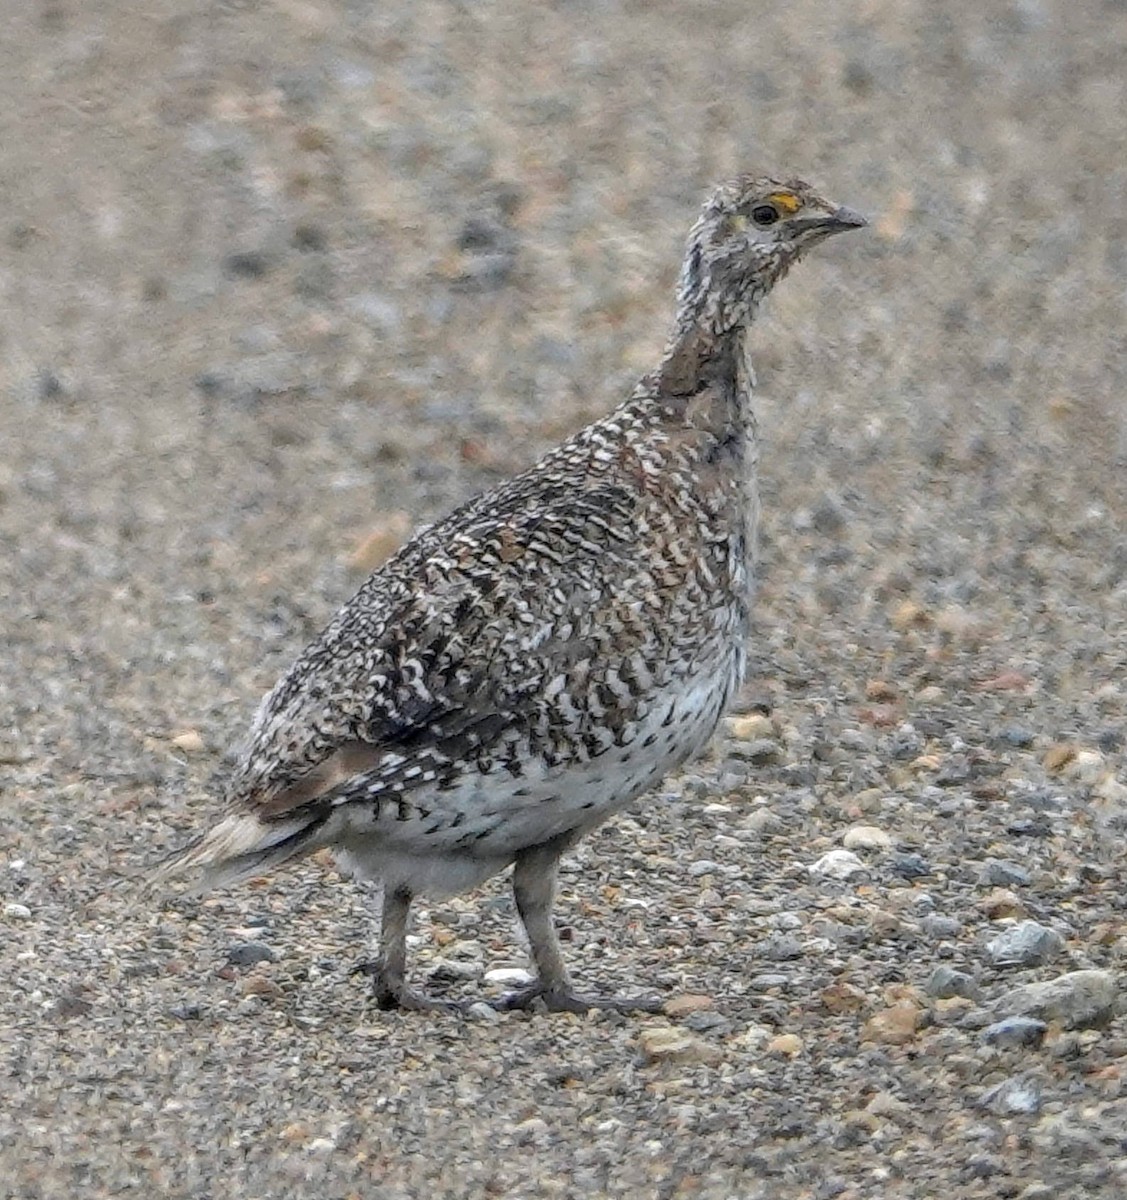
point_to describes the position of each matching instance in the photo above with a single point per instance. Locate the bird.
(533, 663)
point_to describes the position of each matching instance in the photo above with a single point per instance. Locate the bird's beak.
(837, 220)
(843, 218)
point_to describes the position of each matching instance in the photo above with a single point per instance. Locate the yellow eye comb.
(787, 201)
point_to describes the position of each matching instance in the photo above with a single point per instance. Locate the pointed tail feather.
(238, 848)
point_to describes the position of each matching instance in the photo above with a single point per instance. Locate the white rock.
(837, 864)
(754, 1037)
(760, 820)
(17, 912)
(866, 837)
(1087, 766)
(509, 976)
(750, 727)
(1110, 789)
(189, 741)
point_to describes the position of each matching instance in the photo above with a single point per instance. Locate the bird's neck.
(705, 355)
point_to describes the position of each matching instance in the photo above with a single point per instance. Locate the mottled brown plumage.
(528, 666)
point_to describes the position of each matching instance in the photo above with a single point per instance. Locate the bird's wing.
(474, 629)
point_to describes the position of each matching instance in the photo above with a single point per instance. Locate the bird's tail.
(240, 847)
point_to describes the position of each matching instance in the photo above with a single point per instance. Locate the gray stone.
(910, 866)
(246, 954)
(1026, 944)
(977, 1018)
(761, 751)
(1001, 872)
(452, 970)
(1012, 1096)
(708, 1022)
(1017, 735)
(1015, 1031)
(937, 926)
(1078, 1000)
(945, 982)
(779, 947)
(703, 866)
(768, 980)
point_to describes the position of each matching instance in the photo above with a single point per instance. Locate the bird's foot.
(392, 993)
(540, 997)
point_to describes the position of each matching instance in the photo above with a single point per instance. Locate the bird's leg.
(389, 971)
(534, 889)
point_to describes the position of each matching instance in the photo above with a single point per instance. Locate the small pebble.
(1001, 903)
(1087, 766)
(684, 1005)
(17, 912)
(975, 1019)
(779, 947)
(1015, 1031)
(751, 727)
(843, 998)
(259, 985)
(937, 926)
(837, 864)
(246, 954)
(668, 1043)
(1000, 872)
(1011, 1096)
(1017, 736)
(893, 1026)
(708, 1022)
(1039, 826)
(945, 982)
(190, 742)
(787, 1044)
(753, 1038)
(910, 866)
(866, 837)
(761, 752)
(768, 980)
(1111, 790)
(509, 977)
(1027, 944)
(453, 970)
(1078, 1000)
(886, 1104)
(703, 866)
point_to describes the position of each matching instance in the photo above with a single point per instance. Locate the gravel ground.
(282, 280)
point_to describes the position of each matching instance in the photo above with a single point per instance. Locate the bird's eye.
(765, 214)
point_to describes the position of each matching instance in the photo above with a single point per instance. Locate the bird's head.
(750, 231)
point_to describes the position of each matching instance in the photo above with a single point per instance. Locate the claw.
(391, 994)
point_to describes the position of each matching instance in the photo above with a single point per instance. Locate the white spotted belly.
(450, 841)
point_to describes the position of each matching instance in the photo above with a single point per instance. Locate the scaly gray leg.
(534, 889)
(389, 971)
